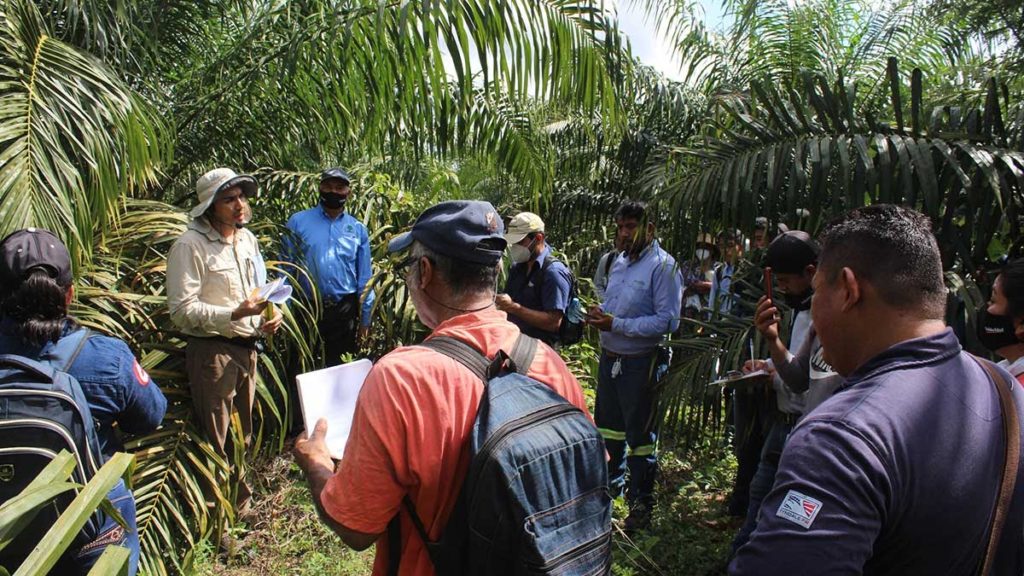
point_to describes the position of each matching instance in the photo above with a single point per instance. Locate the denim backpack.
(535, 499)
(43, 411)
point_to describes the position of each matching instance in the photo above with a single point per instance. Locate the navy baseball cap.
(26, 250)
(791, 252)
(468, 230)
(335, 173)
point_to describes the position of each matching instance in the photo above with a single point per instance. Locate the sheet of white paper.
(331, 393)
(277, 291)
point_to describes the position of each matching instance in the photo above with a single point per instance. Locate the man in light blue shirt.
(641, 306)
(335, 249)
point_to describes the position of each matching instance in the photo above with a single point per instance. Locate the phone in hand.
(768, 284)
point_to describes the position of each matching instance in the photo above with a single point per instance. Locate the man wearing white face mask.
(538, 289)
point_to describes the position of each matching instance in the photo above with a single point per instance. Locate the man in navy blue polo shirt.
(335, 248)
(537, 292)
(897, 473)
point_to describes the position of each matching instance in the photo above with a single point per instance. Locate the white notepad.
(331, 393)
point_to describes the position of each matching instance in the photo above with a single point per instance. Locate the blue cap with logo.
(468, 230)
(335, 172)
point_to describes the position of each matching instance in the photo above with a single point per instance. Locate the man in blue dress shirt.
(641, 306)
(335, 249)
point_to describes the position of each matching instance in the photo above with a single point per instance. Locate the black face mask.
(995, 331)
(332, 201)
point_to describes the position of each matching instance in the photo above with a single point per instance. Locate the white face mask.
(519, 253)
(703, 254)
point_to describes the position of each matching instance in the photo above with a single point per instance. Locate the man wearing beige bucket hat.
(212, 270)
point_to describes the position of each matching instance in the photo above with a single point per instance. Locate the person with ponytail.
(213, 270)
(1000, 321)
(35, 292)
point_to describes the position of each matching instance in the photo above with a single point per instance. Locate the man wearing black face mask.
(800, 381)
(334, 248)
(1001, 320)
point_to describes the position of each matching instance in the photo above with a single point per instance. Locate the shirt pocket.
(222, 282)
(637, 298)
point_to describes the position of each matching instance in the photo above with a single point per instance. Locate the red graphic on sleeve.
(141, 376)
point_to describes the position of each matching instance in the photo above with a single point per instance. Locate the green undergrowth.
(689, 535)
(286, 535)
(690, 531)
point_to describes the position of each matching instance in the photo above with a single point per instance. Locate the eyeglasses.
(402, 268)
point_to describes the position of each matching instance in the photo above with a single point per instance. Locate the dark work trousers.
(339, 326)
(626, 413)
(764, 478)
(750, 410)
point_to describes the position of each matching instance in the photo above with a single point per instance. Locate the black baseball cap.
(468, 230)
(30, 249)
(335, 172)
(791, 252)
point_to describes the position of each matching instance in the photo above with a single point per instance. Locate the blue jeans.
(764, 478)
(111, 533)
(626, 414)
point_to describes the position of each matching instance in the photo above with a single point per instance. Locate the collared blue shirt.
(115, 385)
(554, 294)
(895, 474)
(644, 297)
(336, 252)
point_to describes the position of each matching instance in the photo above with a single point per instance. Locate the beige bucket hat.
(218, 179)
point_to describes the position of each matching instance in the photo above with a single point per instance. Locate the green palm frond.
(422, 76)
(74, 138)
(778, 152)
(60, 536)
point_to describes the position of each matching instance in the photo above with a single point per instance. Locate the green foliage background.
(109, 111)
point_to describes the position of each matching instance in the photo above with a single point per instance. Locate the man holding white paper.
(213, 272)
(417, 407)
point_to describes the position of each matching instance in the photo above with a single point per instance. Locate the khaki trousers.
(222, 378)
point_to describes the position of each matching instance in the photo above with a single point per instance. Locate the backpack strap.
(1011, 461)
(609, 259)
(523, 352)
(462, 353)
(67, 349)
(395, 544)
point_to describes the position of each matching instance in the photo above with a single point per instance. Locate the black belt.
(250, 343)
(344, 299)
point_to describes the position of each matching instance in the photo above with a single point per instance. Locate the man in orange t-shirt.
(417, 406)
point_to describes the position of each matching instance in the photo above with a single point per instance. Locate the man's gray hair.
(463, 278)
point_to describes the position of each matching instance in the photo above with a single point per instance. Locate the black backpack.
(43, 411)
(571, 329)
(535, 499)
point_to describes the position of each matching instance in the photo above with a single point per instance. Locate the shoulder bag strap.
(1011, 431)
